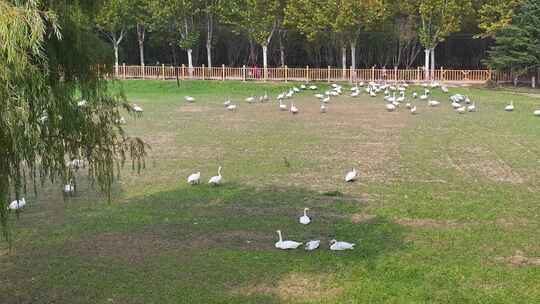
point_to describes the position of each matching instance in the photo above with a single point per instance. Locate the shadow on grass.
(193, 244)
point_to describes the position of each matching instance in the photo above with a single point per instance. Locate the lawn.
(446, 209)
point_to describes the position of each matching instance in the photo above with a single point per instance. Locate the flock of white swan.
(394, 97)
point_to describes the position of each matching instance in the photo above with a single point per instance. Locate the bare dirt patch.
(429, 223)
(520, 260)
(193, 109)
(298, 288)
(359, 218)
(481, 161)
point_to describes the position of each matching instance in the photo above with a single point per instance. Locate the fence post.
(163, 71)
(244, 73)
(223, 72)
(372, 73)
(124, 70)
(441, 76)
(328, 75)
(203, 68)
(307, 73)
(533, 82)
(395, 74)
(183, 71)
(286, 73)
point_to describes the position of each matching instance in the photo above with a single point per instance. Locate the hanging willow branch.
(54, 107)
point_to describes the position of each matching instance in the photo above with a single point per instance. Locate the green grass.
(442, 203)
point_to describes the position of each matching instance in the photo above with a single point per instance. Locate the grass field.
(446, 209)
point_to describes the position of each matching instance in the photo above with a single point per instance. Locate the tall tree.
(517, 47)
(44, 73)
(113, 21)
(139, 12)
(257, 19)
(211, 9)
(178, 16)
(437, 20)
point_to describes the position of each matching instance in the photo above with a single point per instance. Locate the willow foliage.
(54, 102)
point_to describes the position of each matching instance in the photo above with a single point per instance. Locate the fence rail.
(307, 74)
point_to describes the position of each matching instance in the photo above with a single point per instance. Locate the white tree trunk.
(190, 60)
(353, 55)
(282, 56)
(209, 53)
(426, 67)
(344, 57)
(432, 64)
(115, 46)
(140, 38)
(265, 59)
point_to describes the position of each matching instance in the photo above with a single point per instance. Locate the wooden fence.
(306, 74)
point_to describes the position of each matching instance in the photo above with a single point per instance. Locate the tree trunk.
(265, 59)
(353, 54)
(282, 56)
(115, 46)
(4, 191)
(432, 64)
(140, 38)
(190, 61)
(426, 67)
(209, 37)
(344, 57)
(209, 53)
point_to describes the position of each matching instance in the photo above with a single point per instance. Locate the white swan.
(338, 246)
(232, 107)
(17, 204)
(408, 105)
(137, 108)
(351, 176)
(433, 103)
(536, 113)
(189, 98)
(326, 99)
(216, 180)
(227, 102)
(472, 108)
(303, 87)
(390, 107)
(455, 105)
(414, 95)
(312, 245)
(320, 96)
(250, 99)
(323, 108)
(444, 89)
(413, 110)
(69, 188)
(355, 94)
(510, 107)
(461, 110)
(282, 106)
(294, 109)
(281, 244)
(313, 87)
(194, 178)
(304, 220)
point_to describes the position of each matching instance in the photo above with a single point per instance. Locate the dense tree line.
(402, 33)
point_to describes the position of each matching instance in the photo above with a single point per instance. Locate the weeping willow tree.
(55, 105)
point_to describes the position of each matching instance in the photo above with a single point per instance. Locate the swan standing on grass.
(137, 108)
(17, 204)
(194, 178)
(537, 112)
(510, 107)
(281, 244)
(227, 102)
(313, 87)
(339, 246)
(472, 108)
(216, 180)
(390, 107)
(351, 176)
(294, 109)
(461, 110)
(304, 220)
(189, 99)
(232, 107)
(433, 103)
(324, 108)
(69, 188)
(282, 106)
(312, 245)
(250, 99)
(413, 110)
